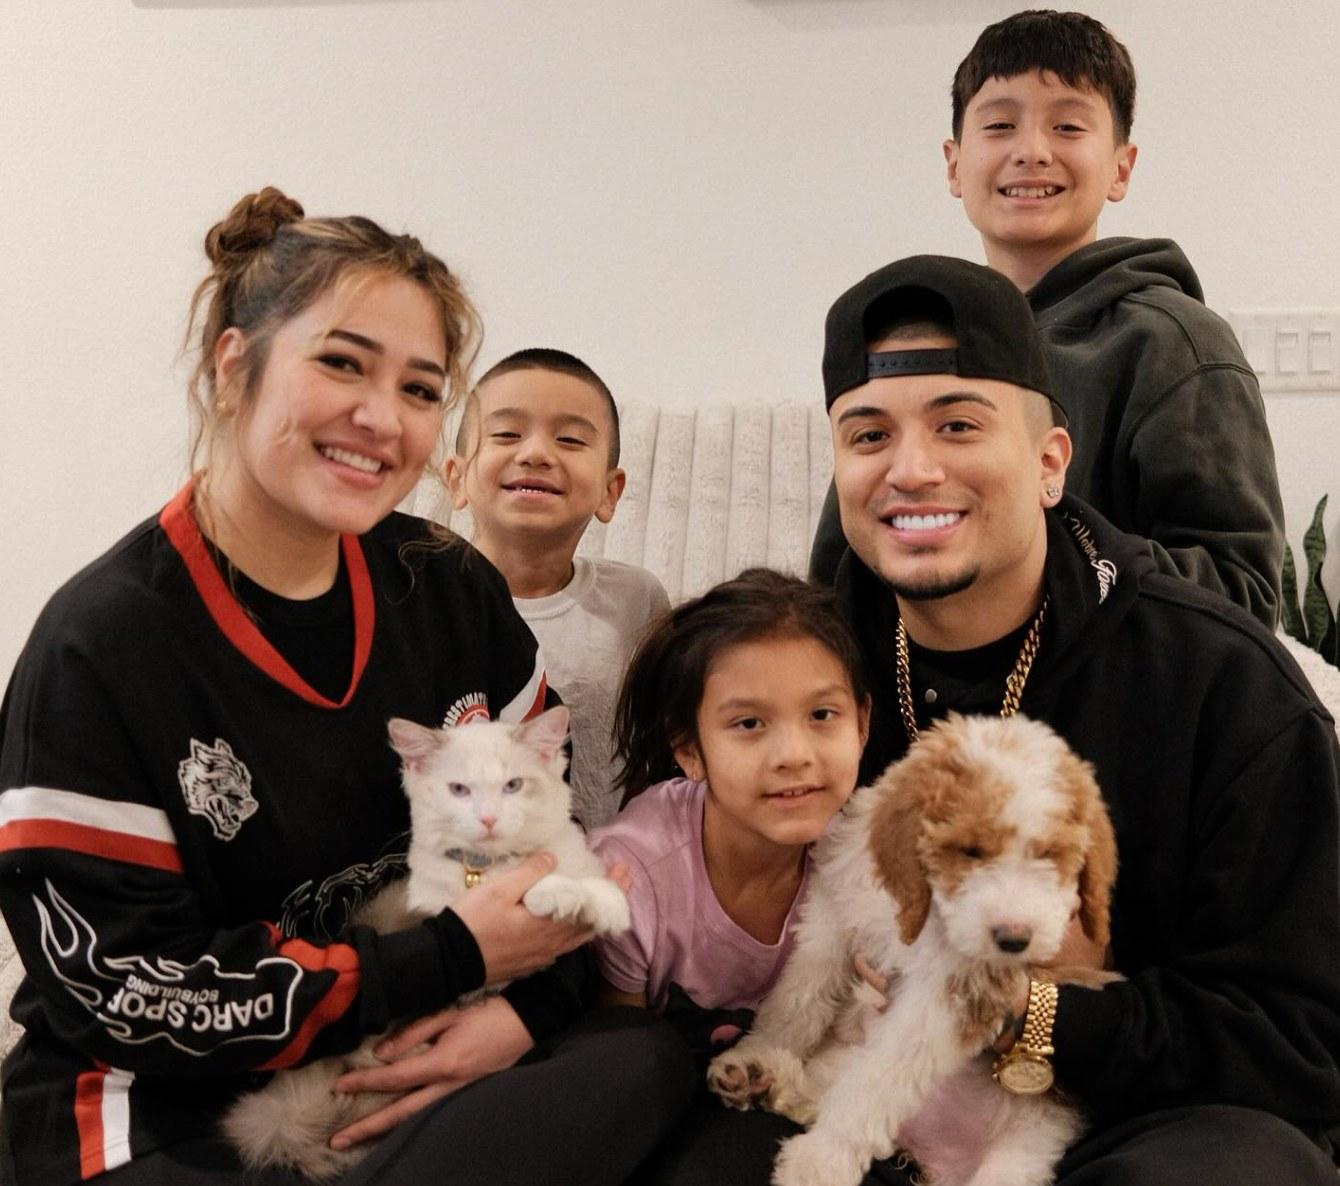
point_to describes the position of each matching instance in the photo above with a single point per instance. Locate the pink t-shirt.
(680, 934)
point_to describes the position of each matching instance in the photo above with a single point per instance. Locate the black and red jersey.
(186, 828)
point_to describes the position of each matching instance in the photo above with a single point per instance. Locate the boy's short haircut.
(540, 358)
(1079, 50)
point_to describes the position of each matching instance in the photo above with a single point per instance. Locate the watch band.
(1040, 1016)
(1026, 1069)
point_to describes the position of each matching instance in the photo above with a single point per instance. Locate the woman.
(198, 788)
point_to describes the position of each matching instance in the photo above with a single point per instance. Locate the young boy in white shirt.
(536, 457)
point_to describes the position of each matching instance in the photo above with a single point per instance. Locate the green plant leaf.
(1318, 620)
(1290, 617)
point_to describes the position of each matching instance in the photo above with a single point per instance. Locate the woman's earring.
(1053, 491)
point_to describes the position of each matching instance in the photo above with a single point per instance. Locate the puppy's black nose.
(1011, 940)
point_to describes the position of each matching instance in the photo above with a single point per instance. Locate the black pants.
(1214, 1146)
(581, 1111)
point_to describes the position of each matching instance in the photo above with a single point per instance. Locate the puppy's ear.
(1099, 871)
(895, 827)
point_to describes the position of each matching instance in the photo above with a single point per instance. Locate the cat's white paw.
(555, 896)
(595, 901)
(606, 908)
(815, 1159)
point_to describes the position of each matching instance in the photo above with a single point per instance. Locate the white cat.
(482, 797)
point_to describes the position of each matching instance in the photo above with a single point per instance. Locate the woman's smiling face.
(343, 418)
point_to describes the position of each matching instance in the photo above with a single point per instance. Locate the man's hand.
(1077, 953)
(464, 1045)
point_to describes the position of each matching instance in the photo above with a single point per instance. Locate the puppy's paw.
(741, 1075)
(815, 1159)
(755, 1072)
(556, 896)
(606, 906)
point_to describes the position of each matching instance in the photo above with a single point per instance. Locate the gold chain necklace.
(1014, 682)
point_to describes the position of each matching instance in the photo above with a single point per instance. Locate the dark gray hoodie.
(1167, 419)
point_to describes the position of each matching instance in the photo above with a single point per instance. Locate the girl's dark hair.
(661, 691)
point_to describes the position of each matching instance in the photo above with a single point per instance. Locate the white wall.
(674, 189)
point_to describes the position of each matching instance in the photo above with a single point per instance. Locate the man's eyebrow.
(417, 364)
(960, 397)
(860, 412)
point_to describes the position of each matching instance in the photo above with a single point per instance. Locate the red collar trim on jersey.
(179, 524)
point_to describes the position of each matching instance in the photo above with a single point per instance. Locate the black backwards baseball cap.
(991, 319)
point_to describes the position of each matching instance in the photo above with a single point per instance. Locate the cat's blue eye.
(512, 785)
(458, 788)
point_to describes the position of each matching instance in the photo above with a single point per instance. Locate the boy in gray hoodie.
(1166, 415)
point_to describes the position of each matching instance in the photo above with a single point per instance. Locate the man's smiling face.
(941, 480)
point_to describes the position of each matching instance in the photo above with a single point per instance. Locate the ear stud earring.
(1053, 491)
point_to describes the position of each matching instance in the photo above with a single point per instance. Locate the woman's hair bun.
(251, 224)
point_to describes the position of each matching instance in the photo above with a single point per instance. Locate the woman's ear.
(230, 351)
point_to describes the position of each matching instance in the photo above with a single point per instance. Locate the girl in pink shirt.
(740, 726)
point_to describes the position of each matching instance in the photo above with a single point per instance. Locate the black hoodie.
(1166, 417)
(1221, 771)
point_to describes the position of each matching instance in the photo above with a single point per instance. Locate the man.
(976, 584)
(1170, 430)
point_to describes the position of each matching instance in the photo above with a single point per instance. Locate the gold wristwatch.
(1026, 1069)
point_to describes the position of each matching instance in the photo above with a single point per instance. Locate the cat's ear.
(414, 743)
(546, 733)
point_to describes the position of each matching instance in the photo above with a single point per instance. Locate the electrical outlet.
(1291, 349)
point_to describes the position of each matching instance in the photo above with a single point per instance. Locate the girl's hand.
(465, 1044)
(512, 940)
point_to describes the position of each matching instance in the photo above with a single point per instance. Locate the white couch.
(711, 491)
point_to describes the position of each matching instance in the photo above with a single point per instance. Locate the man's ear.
(1121, 179)
(951, 161)
(1054, 458)
(453, 473)
(615, 481)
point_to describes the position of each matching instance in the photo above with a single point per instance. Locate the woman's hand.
(464, 1044)
(512, 940)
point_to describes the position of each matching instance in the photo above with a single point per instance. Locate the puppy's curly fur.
(953, 875)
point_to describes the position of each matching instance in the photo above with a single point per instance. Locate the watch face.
(1025, 1074)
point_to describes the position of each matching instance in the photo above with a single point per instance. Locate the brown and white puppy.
(954, 875)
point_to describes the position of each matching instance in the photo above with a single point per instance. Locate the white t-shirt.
(680, 933)
(587, 632)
